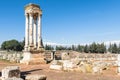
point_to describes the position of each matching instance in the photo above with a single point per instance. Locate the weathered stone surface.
(56, 67)
(33, 58)
(10, 71)
(65, 56)
(57, 62)
(96, 69)
(4, 56)
(14, 78)
(67, 65)
(36, 77)
(26, 58)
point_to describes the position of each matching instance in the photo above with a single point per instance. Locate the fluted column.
(35, 32)
(31, 31)
(39, 32)
(26, 31)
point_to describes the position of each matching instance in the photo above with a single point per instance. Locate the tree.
(114, 48)
(110, 48)
(73, 48)
(48, 47)
(80, 48)
(86, 49)
(101, 48)
(12, 45)
(93, 48)
(119, 49)
(61, 48)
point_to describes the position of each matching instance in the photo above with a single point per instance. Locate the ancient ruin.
(33, 15)
(33, 50)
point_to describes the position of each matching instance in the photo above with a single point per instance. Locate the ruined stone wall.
(11, 56)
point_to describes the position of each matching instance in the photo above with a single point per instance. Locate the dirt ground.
(43, 69)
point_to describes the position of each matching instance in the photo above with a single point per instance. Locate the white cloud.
(55, 44)
(112, 42)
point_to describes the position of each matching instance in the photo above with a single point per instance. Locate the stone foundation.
(33, 57)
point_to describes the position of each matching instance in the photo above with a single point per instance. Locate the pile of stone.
(79, 66)
(88, 63)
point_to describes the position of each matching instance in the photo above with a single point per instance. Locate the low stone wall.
(11, 56)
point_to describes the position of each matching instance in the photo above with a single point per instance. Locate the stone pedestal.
(33, 57)
(34, 50)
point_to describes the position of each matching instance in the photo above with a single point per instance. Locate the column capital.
(39, 14)
(35, 18)
(31, 14)
(26, 14)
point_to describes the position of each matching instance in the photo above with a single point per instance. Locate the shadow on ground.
(24, 73)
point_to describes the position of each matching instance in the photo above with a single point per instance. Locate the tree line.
(91, 48)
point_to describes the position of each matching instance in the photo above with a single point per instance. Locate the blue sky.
(64, 21)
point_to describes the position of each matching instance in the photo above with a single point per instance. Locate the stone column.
(39, 32)
(26, 31)
(31, 31)
(35, 32)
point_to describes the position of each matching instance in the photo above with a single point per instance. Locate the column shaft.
(31, 31)
(26, 32)
(39, 32)
(35, 37)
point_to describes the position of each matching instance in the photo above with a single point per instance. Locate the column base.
(25, 48)
(33, 57)
(31, 48)
(40, 49)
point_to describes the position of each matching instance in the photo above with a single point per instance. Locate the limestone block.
(26, 56)
(9, 56)
(57, 62)
(10, 71)
(18, 55)
(56, 67)
(36, 77)
(68, 65)
(54, 62)
(88, 68)
(118, 70)
(118, 57)
(76, 61)
(82, 69)
(14, 78)
(14, 55)
(12, 60)
(96, 69)
(4, 56)
(65, 56)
